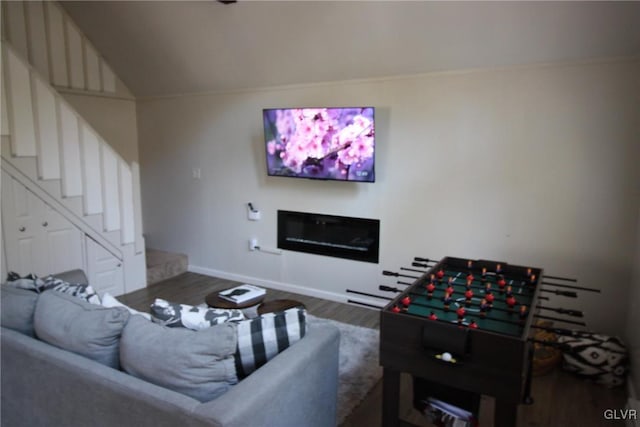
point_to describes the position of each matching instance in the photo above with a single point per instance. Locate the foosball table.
(464, 327)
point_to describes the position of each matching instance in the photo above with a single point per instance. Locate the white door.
(104, 270)
(37, 239)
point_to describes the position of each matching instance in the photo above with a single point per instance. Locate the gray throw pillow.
(199, 364)
(18, 306)
(75, 325)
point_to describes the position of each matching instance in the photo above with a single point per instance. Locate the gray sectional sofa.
(43, 385)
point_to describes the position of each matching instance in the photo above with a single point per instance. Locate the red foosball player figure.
(406, 301)
(432, 316)
(461, 312)
(468, 295)
(440, 274)
(473, 325)
(511, 302)
(490, 297)
(430, 288)
(501, 283)
(469, 277)
(396, 309)
(449, 289)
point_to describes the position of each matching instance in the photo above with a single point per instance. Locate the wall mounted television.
(321, 143)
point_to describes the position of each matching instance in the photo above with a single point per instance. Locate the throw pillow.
(82, 291)
(109, 301)
(29, 282)
(262, 338)
(18, 306)
(196, 363)
(602, 358)
(196, 318)
(80, 327)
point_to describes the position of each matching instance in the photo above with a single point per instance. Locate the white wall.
(533, 165)
(633, 320)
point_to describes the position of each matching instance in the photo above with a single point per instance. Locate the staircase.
(50, 149)
(163, 265)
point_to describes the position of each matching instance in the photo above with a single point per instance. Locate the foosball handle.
(388, 288)
(574, 313)
(389, 273)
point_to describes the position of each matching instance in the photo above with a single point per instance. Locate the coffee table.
(214, 300)
(278, 305)
(254, 307)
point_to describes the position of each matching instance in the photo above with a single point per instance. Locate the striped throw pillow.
(260, 339)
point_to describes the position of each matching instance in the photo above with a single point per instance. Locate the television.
(321, 143)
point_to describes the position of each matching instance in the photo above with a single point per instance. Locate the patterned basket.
(545, 358)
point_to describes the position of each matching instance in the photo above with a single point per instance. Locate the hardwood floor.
(561, 399)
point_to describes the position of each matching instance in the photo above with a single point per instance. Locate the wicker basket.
(545, 358)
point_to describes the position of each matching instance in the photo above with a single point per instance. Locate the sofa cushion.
(109, 300)
(187, 316)
(199, 364)
(18, 306)
(262, 338)
(75, 325)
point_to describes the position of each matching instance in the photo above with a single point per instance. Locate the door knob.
(44, 224)
(22, 229)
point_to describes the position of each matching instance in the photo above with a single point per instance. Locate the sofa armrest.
(298, 387)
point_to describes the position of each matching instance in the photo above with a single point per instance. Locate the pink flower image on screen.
(322, 143)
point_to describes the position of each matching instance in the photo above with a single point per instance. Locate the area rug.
(359, 370)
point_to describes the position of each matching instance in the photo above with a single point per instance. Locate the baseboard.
(288, 287)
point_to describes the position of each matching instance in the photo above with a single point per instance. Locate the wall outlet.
(254, 215)
(253, 244)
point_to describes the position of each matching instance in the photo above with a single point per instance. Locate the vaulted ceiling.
(172, 47)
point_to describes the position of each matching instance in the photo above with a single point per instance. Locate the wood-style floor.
(561, 400)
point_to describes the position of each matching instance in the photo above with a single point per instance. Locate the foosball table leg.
(390, 397)
(506, 414)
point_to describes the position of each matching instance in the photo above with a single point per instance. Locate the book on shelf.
(242, 293)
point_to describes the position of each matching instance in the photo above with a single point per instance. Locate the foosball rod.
(511, 322)
(557, 319)
(394, 274)
(425, 260)
(369, 295)
(558, 331)
(568, 294)
(566, 279)
(350, 301)
(580, 288)
(568, 312)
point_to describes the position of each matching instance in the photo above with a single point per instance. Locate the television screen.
(321, 143)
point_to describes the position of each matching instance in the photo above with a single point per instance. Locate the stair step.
(163, 265)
